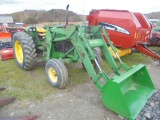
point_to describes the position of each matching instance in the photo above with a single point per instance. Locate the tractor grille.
(63, 46)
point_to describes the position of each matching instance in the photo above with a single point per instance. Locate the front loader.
(126, 93)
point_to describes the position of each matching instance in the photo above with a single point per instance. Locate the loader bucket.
(128, 93)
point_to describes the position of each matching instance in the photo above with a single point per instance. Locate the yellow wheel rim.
(18, 51)
(52, 75)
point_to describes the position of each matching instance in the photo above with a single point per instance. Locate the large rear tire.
(24, 50)
(56, 73)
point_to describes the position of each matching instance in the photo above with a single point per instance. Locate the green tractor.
(126, 93)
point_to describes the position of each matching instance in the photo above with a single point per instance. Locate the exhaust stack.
(67, 14)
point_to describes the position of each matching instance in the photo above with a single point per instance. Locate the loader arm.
(125, 94)
(84, 48)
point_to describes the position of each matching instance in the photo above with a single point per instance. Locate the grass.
(33, 84)
(23, 84)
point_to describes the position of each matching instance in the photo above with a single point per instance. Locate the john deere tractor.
(126, 93)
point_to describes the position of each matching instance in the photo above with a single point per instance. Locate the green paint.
(126, 93)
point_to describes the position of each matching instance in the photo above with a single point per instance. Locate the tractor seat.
(41, 31)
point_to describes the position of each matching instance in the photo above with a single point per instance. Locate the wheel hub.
(19, 51)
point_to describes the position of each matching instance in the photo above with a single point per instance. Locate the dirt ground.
(81, 102)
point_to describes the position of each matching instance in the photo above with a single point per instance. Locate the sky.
(80, 6)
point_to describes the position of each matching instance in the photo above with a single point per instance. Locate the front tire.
(98, 50)
(24, 50)
(56, 73)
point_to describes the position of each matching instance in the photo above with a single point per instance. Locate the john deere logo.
(113, 27)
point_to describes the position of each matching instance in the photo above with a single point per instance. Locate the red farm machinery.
(6, 34)
(128, 31)
(155, 37)
(6, 51)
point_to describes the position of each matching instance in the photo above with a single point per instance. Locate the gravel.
(82, 102)
(151, 110)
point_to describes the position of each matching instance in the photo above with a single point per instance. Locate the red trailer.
(126, 29)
